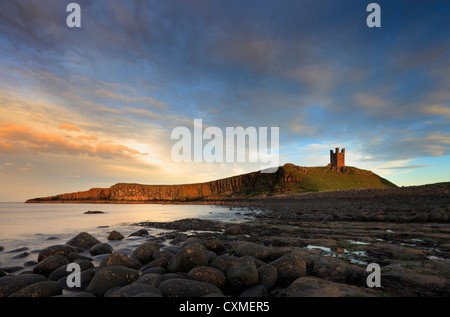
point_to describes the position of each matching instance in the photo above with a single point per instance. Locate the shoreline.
(315, 244)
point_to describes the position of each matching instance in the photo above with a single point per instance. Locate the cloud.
(69, 127)
(15, 138)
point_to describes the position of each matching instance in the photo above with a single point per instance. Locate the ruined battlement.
(337, 159)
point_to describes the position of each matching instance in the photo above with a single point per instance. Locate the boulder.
(179, 287)
(268, 276)
(152, 279)
(83, 240)
(209, 275)
(289, 268)
(49, 264)
(252, 249)
(135, 289)
(101, 248)
(309, 286)
(40, 289)
(187, 258)
(58, 249)
(115, 235)
(120, 259)
(242, 274)
(13, 283)
(144, 252)
(109, 277)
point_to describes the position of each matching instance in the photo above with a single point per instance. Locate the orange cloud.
(69, 127)
(16, 138)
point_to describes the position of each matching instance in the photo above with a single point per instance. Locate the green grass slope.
(301, 179)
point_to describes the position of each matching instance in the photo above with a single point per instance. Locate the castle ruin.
(337, 159)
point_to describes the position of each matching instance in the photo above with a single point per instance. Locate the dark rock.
(252, 249)
(160, 262)
(30, 263)
(147, 295)
(72, 256)
(93, 212)
(21, 255)
(58, 249)
(49, 264)
(83, 240)
(13, 283)
(79, 294)
(22, 249)
(115, 235)
(209, 275)
(187, 288)
(144, 252)
(139, 233)
(120, 259)
(233, 230)
(268, 276)
(110, 277)
(151, 279)
(242, 274)
(40, 289)
(101, 248)
(289, 268)
(61, 272)
(223, 262)
(255, 291)
(339, 271)
(309, 286)
(134, 289)
(187, 258)
(161, 254)
(11, 269)
(155, 270)
(215, 245)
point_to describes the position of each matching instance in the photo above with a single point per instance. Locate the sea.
(25, 229)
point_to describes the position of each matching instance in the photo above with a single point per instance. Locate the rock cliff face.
(288, 179)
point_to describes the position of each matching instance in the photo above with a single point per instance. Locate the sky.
(96, 105)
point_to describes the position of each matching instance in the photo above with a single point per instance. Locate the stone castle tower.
(337, 159)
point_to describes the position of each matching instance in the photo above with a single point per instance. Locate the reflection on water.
(35, 226)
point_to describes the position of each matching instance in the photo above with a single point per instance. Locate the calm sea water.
(32, 227)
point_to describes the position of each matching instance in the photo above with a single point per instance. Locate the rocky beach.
(306, 245)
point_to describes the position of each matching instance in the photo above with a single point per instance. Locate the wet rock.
(144, 252)
(154, 270)
(309, 286)
(13, 283)
(215, 245)
(93, 212)
(139, 233)
(83, 240)
(58, 249)
(11, 269)
(339, 271)
(252, 249)
(223, 262)
(160, 262)
(22, 249)
(209, 275)
(21, 255)
(49, 264)
(187, 258)
(135, 289)
(242, 274)
(151, 279)
(161, 254)
(115, 235)
(233, 230)
(101, 248)
(187, 288)
(40, 289)
(110, 277)
(120, 259)
(72, 256)
(289, 268)
(268, 276)
(62, 271)
(258, 290)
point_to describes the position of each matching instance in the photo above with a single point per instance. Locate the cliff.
(288, 179)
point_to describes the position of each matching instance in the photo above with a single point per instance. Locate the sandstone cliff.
(288, 179)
